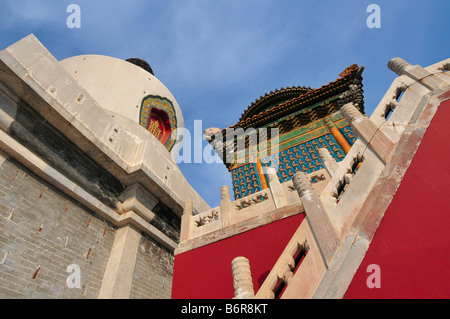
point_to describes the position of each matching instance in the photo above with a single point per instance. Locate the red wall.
(205, 272)
(412, 243)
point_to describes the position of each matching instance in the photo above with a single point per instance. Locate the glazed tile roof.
(274, 97)
(255, 115)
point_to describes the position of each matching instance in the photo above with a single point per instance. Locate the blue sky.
(216, 57)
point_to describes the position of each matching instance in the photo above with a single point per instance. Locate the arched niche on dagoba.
(157, 115)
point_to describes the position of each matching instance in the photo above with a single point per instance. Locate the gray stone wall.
(152, 277)
(42, 232)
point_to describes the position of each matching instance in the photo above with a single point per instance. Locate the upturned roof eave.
(299, 102)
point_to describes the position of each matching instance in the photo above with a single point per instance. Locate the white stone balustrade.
(233, 212)
(309, 269)
(414, 82)
(227, 214)
(337, 230)
(335, 246)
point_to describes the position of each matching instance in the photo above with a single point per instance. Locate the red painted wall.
(205, 272)
(412, 243)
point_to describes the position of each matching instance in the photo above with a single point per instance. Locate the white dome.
(128, 90)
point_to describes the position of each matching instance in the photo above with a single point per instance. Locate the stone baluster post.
(328, 161)
(186, 221)
(226, 207)
(365, 128)
(417, 73)
(242, 278)
(278, 195)
(316, 216)
(399, 66)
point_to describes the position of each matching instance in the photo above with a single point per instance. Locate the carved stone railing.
(414, 82)
(256, 198)
(355, 176)
(330, 238)
(300, 257)
(224, 215)
(229, 213)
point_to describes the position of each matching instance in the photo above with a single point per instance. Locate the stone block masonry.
(42, 232)
(79, 188)
(153, 272)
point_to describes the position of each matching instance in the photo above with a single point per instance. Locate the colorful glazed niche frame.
(157, 115)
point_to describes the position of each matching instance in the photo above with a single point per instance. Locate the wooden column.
(262, 177)
(340, 139)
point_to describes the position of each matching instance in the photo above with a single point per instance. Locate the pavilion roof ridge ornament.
(348, 70)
